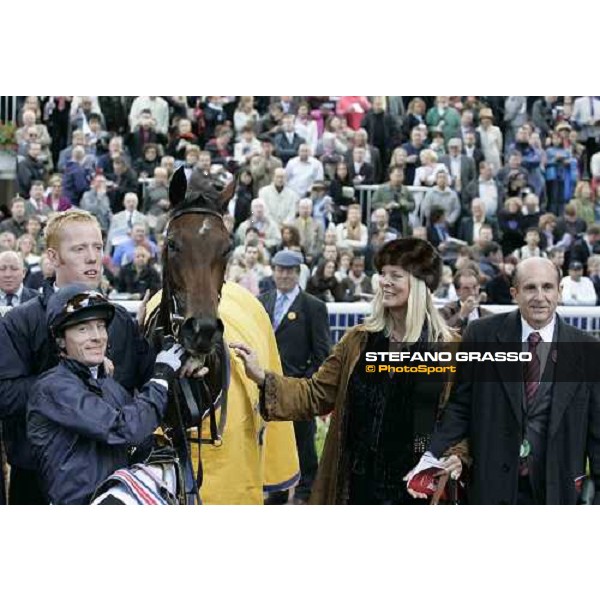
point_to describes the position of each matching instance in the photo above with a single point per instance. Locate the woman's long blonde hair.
(420, 310)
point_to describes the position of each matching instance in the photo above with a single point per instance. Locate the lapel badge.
(292, 316)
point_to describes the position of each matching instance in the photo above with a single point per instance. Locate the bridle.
(193, 394)
(175, 318)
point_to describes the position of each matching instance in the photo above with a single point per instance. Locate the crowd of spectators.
(488, 181)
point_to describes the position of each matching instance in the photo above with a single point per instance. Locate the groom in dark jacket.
(531, 427)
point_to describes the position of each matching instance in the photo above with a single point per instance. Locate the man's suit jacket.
(465, 229)
(374, 162)
(303, 336)
(366, 171)
(490, 414)
(579, 252)
(451, 314)
(472, 191)
(433, 237)
(119, 227)
(286, 150)
(477, 155)
(468, 172)
(28, 294)
(582, 113)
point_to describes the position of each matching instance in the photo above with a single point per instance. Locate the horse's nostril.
(199, 332)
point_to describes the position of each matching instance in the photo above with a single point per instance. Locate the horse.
(197, 308)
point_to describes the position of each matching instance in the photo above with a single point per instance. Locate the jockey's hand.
(168, 361)
(193, 367)
(250, 360)
(141, 313)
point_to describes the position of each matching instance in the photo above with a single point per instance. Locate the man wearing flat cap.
(301, 325)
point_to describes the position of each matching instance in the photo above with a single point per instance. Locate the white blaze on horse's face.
(205, 227)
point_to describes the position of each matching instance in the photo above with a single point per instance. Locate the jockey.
(74, 246)
(81, 423)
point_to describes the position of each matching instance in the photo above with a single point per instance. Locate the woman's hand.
(453, 466)
(250, 359)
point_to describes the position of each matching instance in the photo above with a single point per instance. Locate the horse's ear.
(227, 194)
(177, 187)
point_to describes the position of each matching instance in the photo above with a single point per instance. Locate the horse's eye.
(172, 245)
(228, 251)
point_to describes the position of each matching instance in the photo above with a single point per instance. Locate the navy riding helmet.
(75, 304)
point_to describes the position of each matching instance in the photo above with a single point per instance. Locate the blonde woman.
(398, 159)
(425, 174)
(379, 424)
(27, 249)
(583, 200)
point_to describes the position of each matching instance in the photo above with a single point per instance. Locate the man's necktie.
(10, 299)
(130, 221)
(279, 312)
(532, 368)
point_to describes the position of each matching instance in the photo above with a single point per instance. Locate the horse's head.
(197, 247)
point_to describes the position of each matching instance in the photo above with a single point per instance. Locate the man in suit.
(122, 223)
(586, 116)
(530, 435)
(486, 188)
(472, 147)
(288, 142)
(12, 273)
(382, 129)
(372, 154)
(470, 227)
(17, 224)
(585, 246)
(312, 233)
(466, 309)
(467, 126)
(144, 133)
(461, 167)
(30, 169)
(12, 293)
(359, 170)
(301, 325)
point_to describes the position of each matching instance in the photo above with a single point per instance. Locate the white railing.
(343, 316)
(8, 109)
(366, 193)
